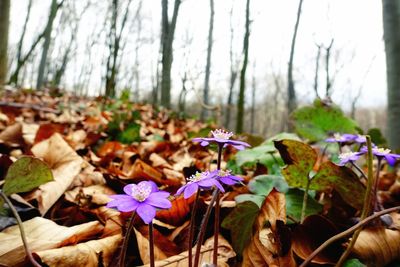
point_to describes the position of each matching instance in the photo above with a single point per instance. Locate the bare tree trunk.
(4, 28)
(253, 100)
(291, 101)
(47, 39)
(233, 76)
(168, 31)
(391, 26)
(317, 71)
(328, 78)
(240, 111)
(208, 64)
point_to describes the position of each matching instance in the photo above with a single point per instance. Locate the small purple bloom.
(226, 177)
(382, 153)
(360, 139)
(144, 198)
(221, 137)
(341, 138)
(349, 157)
(203, 180)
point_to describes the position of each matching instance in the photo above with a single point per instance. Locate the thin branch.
(347, 232)
(21, 229)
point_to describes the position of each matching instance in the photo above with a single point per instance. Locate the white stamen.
(197, 177)
(222, 173)
(383, 150)
(221, 134)
(141, 192)
(346, 155)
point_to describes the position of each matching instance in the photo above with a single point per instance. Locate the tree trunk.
(253, 101)
(240, 111)
(208, 64)
(168, 31)
(4, 25)
(391, 26)
(291, 101)
(47, 40)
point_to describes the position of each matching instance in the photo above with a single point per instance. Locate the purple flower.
(144, 198)
(360, 139)
(349, 157)
(203, 180)
(226, 177)
(221, 137)
(381, 153)
(341, 138)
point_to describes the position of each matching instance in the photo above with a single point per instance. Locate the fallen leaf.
(12, 135)
(179, 211)
(29, 131)
(46, 130)
(90, 254)
(42, 234)
(270, 244)
(65, 165)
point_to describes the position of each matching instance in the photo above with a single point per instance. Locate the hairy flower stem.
(359, 170)
(126, 240)
(367, 201)
(151, 244)
(375, 200)
(305, 199)
(204, 222)
(21, 229)
(217, 211)
(191, 229)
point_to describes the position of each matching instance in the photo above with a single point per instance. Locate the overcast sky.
(355, 25)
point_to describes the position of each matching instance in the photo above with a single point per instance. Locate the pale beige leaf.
(42, 234)
(265, 249)
(12, 135)
(378, 246)
(29, 131)
(225, 252)
(143, 245)
(89, 254)
(65, 165)
(97, 194)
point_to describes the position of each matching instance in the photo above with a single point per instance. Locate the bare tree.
(47, 40)
(4, 26)
(291, 100)
(317, 70)
(203, 114)
(167, 37)
(233, 74)
(253, 99)
(240, 104)
(328, 78)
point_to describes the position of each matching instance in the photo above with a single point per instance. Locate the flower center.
(383, 150)
(337, 136)
(222, 173)
(197, 177)
(141, 192)
(221, 134)
(346, 155)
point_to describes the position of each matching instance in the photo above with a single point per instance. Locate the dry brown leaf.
(42, 234)
(77, 139)
(88, 176)
(378, 246)
(12, 135)
(225, 252)
(65, 165)
(89, 254)
(98, 194)
(177, 214)
(29, 131)
(143, 245)
(158, 161)
(267, 246)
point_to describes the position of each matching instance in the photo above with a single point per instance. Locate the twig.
(347, 232)
(191, 229)
(21, 229)
(151, 244)
(367, 204)
(217, 210)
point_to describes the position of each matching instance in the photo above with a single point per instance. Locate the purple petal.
(124, 204)
(180, 190)
(190, 190)
(227, 181)
(390, 159)
(236, 142)
(154, 187)
(159, 200)
(128, 189)
(146, 212)
(204, 143)
(239, 147)
(206, 182)
(220, 187)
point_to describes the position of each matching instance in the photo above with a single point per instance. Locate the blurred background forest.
(244, 63)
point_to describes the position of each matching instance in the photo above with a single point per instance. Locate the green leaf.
(254, 155)
(263, 184)
(257, 199)
(299, 159)
(25, 174)
(343, 180)
(240, 223)
(130, 134)
(315, 122)
(294, 204)
(354, 263)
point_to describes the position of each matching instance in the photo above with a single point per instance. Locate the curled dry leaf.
(65, 165)
(42, 234)
(270, 245)
(98, 194)
(378, 246)
(29, 131)
(12, 135)
(225, 252)
(90, 254)
(88, 176)
(179, 211)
